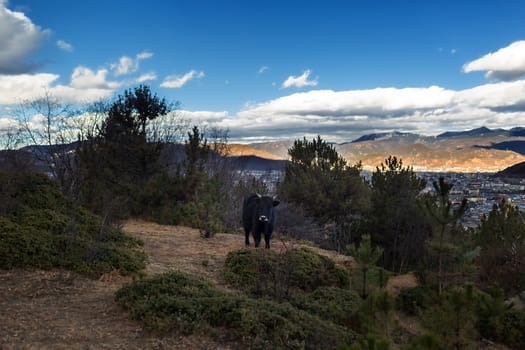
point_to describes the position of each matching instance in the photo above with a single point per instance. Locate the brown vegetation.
(61, 310)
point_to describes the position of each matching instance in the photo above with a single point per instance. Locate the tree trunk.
(440, 258)
(364, 292)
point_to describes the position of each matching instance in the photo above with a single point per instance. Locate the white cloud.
(507, 63)
(125, 65)
(262, 69)
(493, 96)
(179, 81)
(299, 81)
(85, 78)
(380, 102)
(144, 55)
(203, 116)
(20, 37)
(128, 65)
(146, 77)
(16, 88)
(85, 86)
(7, 124)
(64, 45)
(345, 115)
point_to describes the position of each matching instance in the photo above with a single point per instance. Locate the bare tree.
(10, 142)
(49, 127)
(167, 128)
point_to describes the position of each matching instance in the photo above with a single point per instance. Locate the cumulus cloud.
(16, 88)
(175, 81)
(341, 116)
(7, 124)
(506, 64)
(380, 102)
(146, 77)
(20, 38)
(125, 65)
(85, 78)
(128, 65)
(65, 46)
(299, 81)
(85, 86)
(204, 116)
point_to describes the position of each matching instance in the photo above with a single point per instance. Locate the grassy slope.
(80, 313)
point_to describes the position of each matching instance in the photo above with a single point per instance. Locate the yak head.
(265, 205)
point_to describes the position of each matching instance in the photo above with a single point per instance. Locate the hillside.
(60, 310)
(474, 150)
(516, 171)
(237, 150)
(79, 313)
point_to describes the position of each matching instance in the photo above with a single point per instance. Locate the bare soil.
(61, 310)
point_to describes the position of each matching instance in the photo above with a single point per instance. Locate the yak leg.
(257, 238)
(247, 236)
(267, 241)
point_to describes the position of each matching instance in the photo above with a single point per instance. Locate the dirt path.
(60, 310)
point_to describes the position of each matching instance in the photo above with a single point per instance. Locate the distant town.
(482, 190)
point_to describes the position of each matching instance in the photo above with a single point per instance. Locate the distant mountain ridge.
(474, 132)
(481, 149)
(476, 150)
(384, 135)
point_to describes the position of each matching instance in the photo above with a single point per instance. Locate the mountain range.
(476, 150)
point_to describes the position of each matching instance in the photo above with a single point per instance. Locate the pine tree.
(502, 241)
(444, 215)
(396, 221)
(366, 256)
(318, 180)
(118, 162)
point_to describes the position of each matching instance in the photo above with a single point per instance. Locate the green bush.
(265, 272)
(498, 321)
(452, 319)
(330, 303)
(413, 300)
(240, 268)
(513, 332)
(310, 270)
(40, 228)
(368, 342)
(426, 341)
(179, 302)
(25, 247)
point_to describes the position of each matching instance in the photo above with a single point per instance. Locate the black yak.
(258, 216)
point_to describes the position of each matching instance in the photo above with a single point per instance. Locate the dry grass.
(396, 283)
(181, 248)
(60, 310)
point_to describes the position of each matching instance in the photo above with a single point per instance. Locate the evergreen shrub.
(40, 228)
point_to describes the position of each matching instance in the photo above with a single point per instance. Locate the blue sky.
(270, 70)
